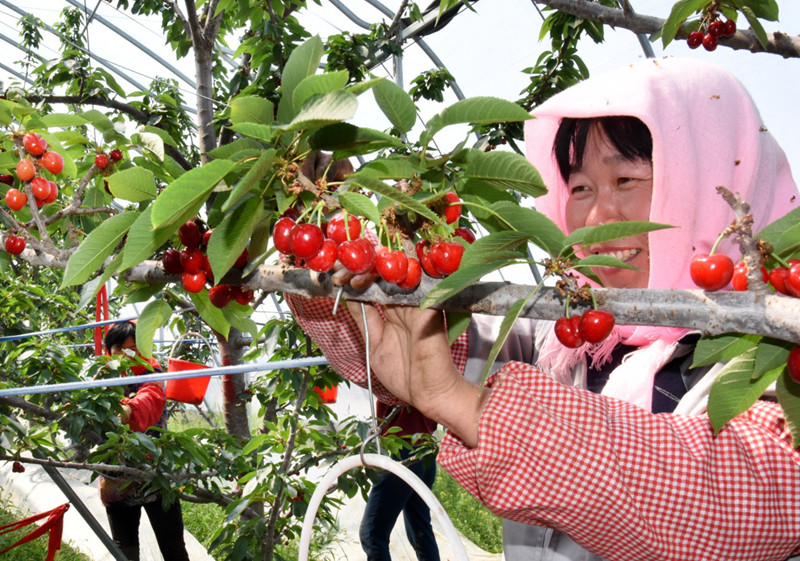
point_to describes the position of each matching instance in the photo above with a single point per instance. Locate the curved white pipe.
(401, 471)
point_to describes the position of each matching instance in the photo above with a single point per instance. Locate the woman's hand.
(410, 355)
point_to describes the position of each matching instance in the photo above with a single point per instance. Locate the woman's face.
(609, 188)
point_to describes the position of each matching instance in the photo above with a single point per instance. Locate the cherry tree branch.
(779, 43)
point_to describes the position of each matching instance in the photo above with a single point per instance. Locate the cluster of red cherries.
(341, 238)
(591, 327)
(713, 31)
(102, 160)
(191, 263)
(716, 271)
(44, 190)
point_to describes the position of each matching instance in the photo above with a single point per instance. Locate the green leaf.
(104, 125)
(324, 110)
(784, 233)
(788, 393)
(254, 130)
(63, 120)
(477, 110)
(237, 316)
(722, 348)
(345, 140)
(153, 143)
(734, 390)
(303, 62)
(230, 236)
(771, 354)
(160, 133)
(225, 151)
(154, 315)
(765, 9)
(758, 29)
(591, 235)
(94, 249)
(318, 84)
(457, 323)
(255, 174)
(601, 261)
(360, 205)
(391, 168)
(394, 195)
(252, 109)
(255, 444)
(143, 239)
(396, 104)
(465, 276)
(540, 229)
(681, 10)
(505, 170)
(212, 315)
(360, 87)
(134, 184)
(505, 328)
(185, 192)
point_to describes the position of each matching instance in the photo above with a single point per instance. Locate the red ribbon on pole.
(54, 524)
(100, 313)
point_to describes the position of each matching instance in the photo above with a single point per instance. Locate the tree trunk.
(234, 407)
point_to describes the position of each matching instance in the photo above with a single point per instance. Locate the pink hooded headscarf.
(706, 132)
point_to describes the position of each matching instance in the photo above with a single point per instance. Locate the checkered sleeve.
(627, 484)
(341, 341)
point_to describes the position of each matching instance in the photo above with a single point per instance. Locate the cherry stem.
(566, 308)
(722, 236)
(780, 260)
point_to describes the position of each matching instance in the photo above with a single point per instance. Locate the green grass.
(36, 549)
(469, 516)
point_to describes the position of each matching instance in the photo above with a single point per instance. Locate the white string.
(369, 377)
(401, 471)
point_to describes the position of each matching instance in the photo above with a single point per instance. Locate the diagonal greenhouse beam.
(712, 313)
(779, 43)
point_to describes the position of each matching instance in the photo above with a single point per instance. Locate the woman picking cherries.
(604, 451)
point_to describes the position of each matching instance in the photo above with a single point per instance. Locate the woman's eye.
(578, 189)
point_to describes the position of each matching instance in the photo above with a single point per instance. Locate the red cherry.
(242, 295)
(709, 42)
(53, 162)
(16, 199)
(793, 280)
(17, 467)
(189, 233)
(464, 234)
(115, 155)
(40, 187)
(207, 237)
(568, 332)
(446, 256)
(413, 275)
(242, 260)
(596, 325)
(280, 234)
(357, 255)
(730, 28)
(793, 364)
(716, 28)
(7, 178)
(739, 279)
(777, 277)
(292, 213)
(452, 212)
(171, 261)
(392, 266)
(426, 262)
(15, 244)
(192, 260)
(193, 282)
(101, 161)
(325, 258)
(305, 240)
(25, 170)
(695, 39)
(338, 231)
(53, 192)
(711, 272)
(34, 144)
(220, 295)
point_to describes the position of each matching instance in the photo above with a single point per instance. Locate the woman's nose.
(603, 211)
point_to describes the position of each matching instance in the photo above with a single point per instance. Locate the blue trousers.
(390, 496)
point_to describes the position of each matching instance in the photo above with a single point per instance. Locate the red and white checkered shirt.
(622, 482)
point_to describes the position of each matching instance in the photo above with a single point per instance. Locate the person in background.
(605, 452)
(390, 495)
(142, 409)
